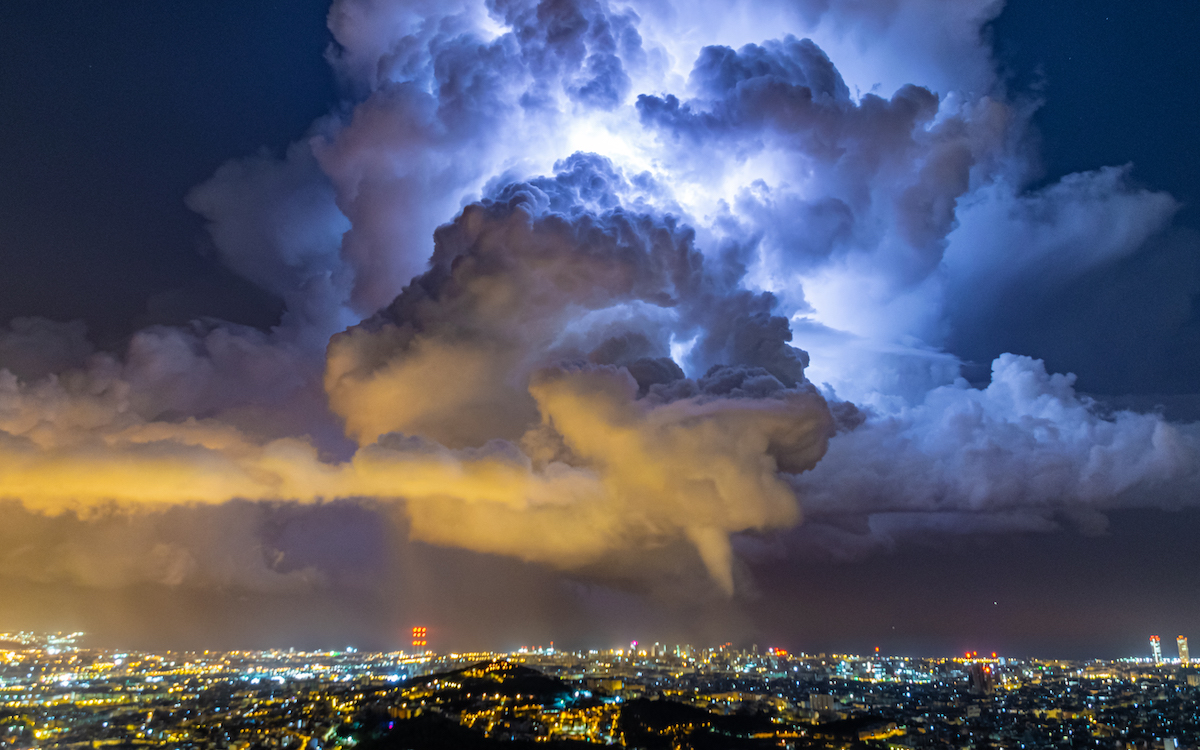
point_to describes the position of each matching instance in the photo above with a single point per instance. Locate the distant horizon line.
(17, 637)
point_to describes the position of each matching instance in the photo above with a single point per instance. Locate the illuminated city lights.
(55, 694)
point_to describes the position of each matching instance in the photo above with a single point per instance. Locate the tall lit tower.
(1156, 648)
(419, 639)
(1184, 659)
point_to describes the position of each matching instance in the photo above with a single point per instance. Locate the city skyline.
(56, 693)
(821, 324)
(54, 643)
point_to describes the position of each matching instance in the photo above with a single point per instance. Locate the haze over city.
(817, 325)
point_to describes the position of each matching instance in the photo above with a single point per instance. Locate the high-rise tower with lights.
(1156, 648)
(1184, 658)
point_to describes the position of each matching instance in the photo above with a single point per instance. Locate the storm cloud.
(571, 281)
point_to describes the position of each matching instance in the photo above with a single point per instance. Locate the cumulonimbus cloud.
(544, 272)
(519, 396)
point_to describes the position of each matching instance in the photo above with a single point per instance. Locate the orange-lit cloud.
(633, 474)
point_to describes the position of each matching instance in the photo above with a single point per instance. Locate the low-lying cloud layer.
(573, 281)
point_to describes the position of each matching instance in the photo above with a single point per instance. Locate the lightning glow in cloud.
(563, 248)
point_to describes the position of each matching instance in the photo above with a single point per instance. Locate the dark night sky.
(113, 111)
(1112, 75)
(1088, 57)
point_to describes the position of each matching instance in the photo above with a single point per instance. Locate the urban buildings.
(1156, 648)
(65, 697)
(1184, 658)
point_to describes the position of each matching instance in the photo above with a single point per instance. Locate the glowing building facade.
(420, 638)
(1156, 648)
(1184, 657)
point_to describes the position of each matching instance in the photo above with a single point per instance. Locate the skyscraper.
(983, 682)
(1156, 648)
(1181, 642)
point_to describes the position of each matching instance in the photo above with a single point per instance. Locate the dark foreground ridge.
(437, 732)
(501, 704)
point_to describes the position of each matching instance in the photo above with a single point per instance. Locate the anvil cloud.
(574, 280)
